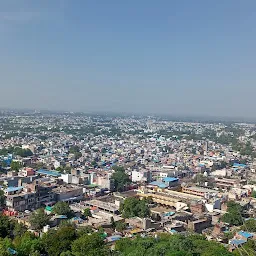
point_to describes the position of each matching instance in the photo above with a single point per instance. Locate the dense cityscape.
(94, 184)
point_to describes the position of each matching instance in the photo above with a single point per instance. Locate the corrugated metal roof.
(13, 189)
(159, 184)
(245, 234)
(237, 242)
(50, 173)
(114, 238)
(170, 179)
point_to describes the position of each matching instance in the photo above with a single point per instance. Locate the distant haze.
(169, 57)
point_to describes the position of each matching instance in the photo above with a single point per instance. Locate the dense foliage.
(248, 249)
(62, 208)
(87, 213)
(250, 225)
(134, 207)
(39, 219)
(68, 241)
(2, 198)
(15, 165)
(121, 179)
(234, 214)
(170, 245)
(57, 241)
(16, 151)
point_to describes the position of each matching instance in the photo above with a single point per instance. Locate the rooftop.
(13, 189)
(201, 189)
(239, 165)
(114, 238)
(49, 173)
(237, 242)
(170, 179)
(62, 189)
(245, 234)
(159, 184)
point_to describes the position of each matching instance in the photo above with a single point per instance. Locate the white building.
(141, 176)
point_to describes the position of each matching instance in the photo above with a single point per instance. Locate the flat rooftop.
(48, 173)
(201, 189)
(131, 193)
(62, 189)
(160, 209)
(13, 189)
(102, 205)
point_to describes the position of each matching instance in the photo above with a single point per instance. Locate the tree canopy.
(87, 213)
(39, 219)
(170, 245)
(91, 245)
(6, 226)
(16, 151)
(15, 165)
(134, 207)
(121, 179)
(250, 225)
(62, 208)
(57, 241)
(234, 214)
(2, 198)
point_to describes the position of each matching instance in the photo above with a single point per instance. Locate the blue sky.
(169, 56)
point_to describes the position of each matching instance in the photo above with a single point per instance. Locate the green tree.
(35, 253)
(121, 179)
(57, 241)
(22, 152)
(234, 214)
(74, 149)
(118, 168)
(85, 231)
(87, 213)
(3, 164)
(60, 169)
(229, 235)
(112, 221)
(28, 244)
(90, 245)
(6, 226)
(67, 253)
(40, 165)
(170, 245)
(250, 225)
(78, 155)
(62, 208)
(149, 200)
(249, 248)
(19, 229)
(134, 207)
(2, 198)
(5, 243)
(120, 226)
(39, 219)
(15, 166)
(200, 178)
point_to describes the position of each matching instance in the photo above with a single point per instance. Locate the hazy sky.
(162, 56)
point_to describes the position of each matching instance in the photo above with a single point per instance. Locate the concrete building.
(141, 176)
(105, 182)
(197, 207)
(199, 225)
(29, 197)
(199, 191)
(68, 193)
